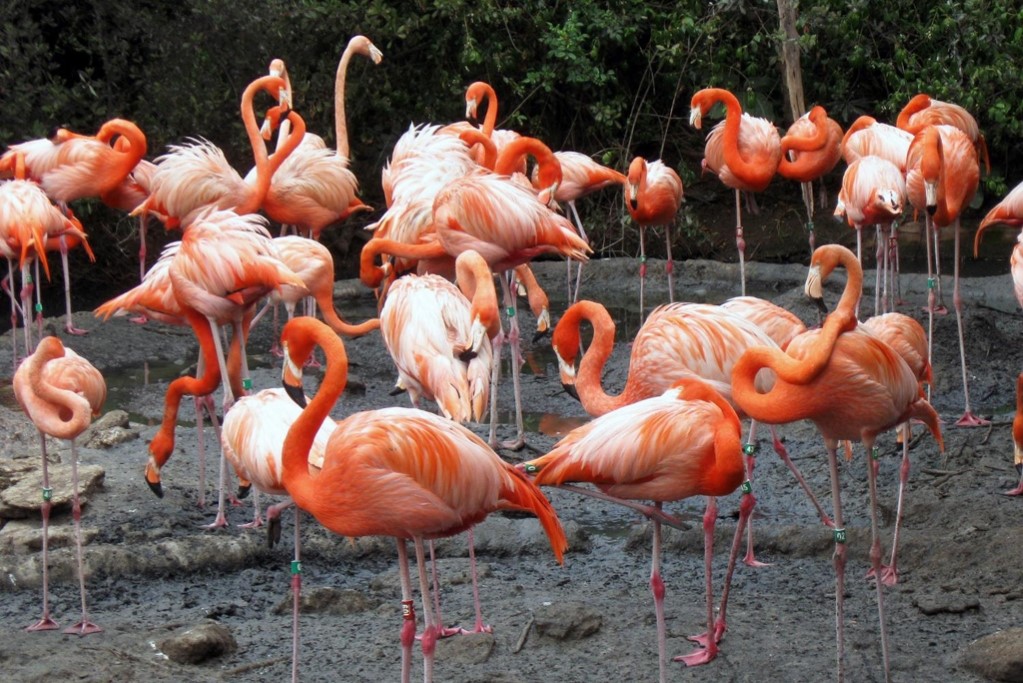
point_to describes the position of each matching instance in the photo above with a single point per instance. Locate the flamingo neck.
(61, 413)
(595, 400)
(914, 106)
(256, 194)
(372, 274)
(340, 80)
(476, 281)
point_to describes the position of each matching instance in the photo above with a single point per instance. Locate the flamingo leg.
(39, 302)
(45, 623)
(221, 519)
(942, 309)
(429, 639)
(27, 285)
(296, 588)
(710, 643)
(479, 627)
(649, 511)
(839, 560)
(69, 327)
(8, 286)
(408, 613)
(670, 265)
(968, 419)
(574, 294)
(83, 627)
(783, 453)
(515, 356)
(142, 246)
(879, 259)
(740, 243)
(657, 589)
(642, 267)
(875, 550)
(890, 574)
(750, 451)
(1018, 491)
(497, 343)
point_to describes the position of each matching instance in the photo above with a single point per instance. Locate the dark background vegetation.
(610, 79)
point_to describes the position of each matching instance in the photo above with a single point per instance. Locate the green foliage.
(610, 78)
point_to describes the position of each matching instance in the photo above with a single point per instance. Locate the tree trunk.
(787, 10)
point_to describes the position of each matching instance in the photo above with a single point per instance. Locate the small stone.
(327, 600)
(198, 643)
(471, 648)
(24, 499)
(997, 657)
(568, 621)
(945, 603)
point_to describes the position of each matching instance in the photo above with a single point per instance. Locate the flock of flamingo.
(461, 209)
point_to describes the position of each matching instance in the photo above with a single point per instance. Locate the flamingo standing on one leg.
(853, 386)
(810, 148)
(941, 178)
(743, 151)
(683, 443)
(873, 192)
(653, 196)
(396, 472)
(922, 111)
(253, 441)
(60, 392)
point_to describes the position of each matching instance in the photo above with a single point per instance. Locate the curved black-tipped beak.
(273, 531)
(474, 120)
(634, 203)
(822, 309)
(540, 334)
(396, 391)
(570, 390)
(1019, 468)
(296, 394)
(467, 355)
(932, 209)
(156, 488)
(243, 491)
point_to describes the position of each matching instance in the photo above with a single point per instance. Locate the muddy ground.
(153, 571)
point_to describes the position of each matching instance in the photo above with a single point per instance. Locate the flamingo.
(683, 443)
(852, 386)
(27, 216)
(811, 148)
(653, 196)
(874, 192)
(1010, 212)
(868, 137)
(252, 440)
(396, 472)
(743, 151)
(922, 111)
(194, 177)
(941, 178)
(314, 187)
(60, 392)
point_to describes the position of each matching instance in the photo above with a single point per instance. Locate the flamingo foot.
(256, 522)
(76, 331)
(702, 656)
(889, 575)
(276, 351)
(1018, 491)
(480, 627)
(83, 628)
(514, 445)
(219, 523)
(44, 624)
(970, 420)
(139, 319)
(751, 561)
(312, 362)
(719, 633)
(937, 309)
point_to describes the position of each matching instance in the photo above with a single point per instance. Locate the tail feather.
(523, 494)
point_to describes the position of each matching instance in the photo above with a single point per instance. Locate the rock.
(109, 430)
(471, 648)
(997, 657)
(23, 499)
(948, 603)
(198, 643)
(568, 621)
(327, 600)
(22, 537)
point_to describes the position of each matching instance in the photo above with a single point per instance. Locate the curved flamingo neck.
(131, 134)
(915, 105)
(832, 255)
(355, 45)
(474, 136)
(476, 281)
(256, 194)
(299, 337)
(800, 143)
(477, 93)
(857, 125)
(59, 412)
(372, 274)
(728, 469)
(739, 166)
(595, 400)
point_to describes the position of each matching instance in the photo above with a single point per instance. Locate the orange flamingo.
(314, 187)
(922, 111)
(683, 443)
(874, 192)
(743, 151)
(867, 137)
(653, 196)
(810, 149)
(60, 392)
(253, 442)
(196, 176)
(852, 386)
(941, 178)
(396, 472)
(1010, 212)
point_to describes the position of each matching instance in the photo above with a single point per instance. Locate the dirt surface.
(154, 571)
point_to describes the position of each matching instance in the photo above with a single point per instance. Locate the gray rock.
(997, 657)
(109, 430)
(198, 643)
(23, 499)
(26, 536)
(471, 648)
(947, 603)
(568, 621)
(327, 600)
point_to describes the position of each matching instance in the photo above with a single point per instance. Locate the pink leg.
(221, 519)
(296, 590)
(875, 551)
(710, 644)
(657, 589)
(515, 355)
(839, 562)
(479, 627)
(45, 623)
(649, 511)
(257, 518)
(642, 268)
(750, 449)
(890, 573)
(429, 639)
(783, 453)
(968, 419)
(69, 326)
(670, 266)
(408, 613)
(740, 242)
(83, 627)
(1018, 491)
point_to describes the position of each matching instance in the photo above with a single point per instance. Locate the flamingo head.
(890, 201)
(696, 117)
